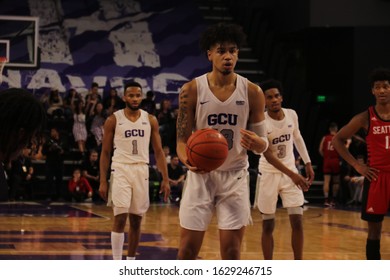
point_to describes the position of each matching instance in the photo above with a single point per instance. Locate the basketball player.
(280, 175)
(228, 102)
(127, 133)
(376, 122)
(22, 118)
(331, 165)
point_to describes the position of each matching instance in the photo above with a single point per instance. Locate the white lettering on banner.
(48, 78)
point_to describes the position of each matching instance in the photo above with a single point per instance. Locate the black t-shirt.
(175, 174)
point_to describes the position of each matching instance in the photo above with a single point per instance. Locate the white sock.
(117, 240)
(130, 258)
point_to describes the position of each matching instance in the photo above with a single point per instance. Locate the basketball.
(207, 149)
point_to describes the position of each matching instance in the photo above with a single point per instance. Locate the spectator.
(78, 187)
(90, 171)
(21, 176)
(55, 104)
(53, 149)
(165, 121)
(113, 102)
(176, 175)
(148, 104)
(79, 127)
(97, 125)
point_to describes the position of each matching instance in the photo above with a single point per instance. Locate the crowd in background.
(74, 134)
(75, 131)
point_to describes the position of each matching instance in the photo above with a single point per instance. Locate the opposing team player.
(279, 175)
(226, 101)
(128, 133)
(376, 193)
(331, 165)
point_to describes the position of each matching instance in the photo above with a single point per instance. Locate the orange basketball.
(207, 149)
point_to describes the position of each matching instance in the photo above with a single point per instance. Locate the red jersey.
(378, 142)
(327, 148)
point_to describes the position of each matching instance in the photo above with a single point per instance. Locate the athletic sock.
(373, 249)
(117, 240)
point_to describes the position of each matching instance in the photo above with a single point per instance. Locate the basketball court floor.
(62, 231)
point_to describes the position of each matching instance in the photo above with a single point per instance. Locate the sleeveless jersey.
(378, 142)
(131, 139)
(327, 148)
(227, 117)
(280, 135)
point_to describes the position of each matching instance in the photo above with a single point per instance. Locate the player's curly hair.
(220, 33)
(22, 118)
(380, 74)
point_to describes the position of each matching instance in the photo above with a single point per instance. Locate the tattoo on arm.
(182, 118)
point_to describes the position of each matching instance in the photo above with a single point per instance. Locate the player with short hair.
(279, 174)
(127, 133)
(376, 123)
(228, 102)
(331, 165)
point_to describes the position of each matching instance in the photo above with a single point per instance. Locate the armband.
(261, 130)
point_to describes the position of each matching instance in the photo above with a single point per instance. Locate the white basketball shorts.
(226, 192)
(129, 188)
(270, 185)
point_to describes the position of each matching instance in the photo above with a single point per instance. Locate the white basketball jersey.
(131, 139)
(227, 117)
(280, 135)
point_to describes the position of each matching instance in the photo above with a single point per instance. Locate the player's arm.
(357, 122)
(298, 179)
(302, 150)
(255, 138)
(105, 156)
(186, 120)
(159, 156)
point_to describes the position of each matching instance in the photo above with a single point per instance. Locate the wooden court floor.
(33, 230)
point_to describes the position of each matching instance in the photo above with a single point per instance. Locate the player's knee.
(295, 210)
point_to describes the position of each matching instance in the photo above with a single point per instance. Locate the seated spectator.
(355, 183)
(176, 176)
(21, 176)
(79, 188)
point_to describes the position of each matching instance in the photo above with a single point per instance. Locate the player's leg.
(190, 244)
(268, 188)
(118, 235)
(327, 178)
(195, 213)
(134, 234)
(230, 243)
(374, 221)
(293, 199)
(297, 237)
(139, 204)
(267, 239)
(373, 241)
